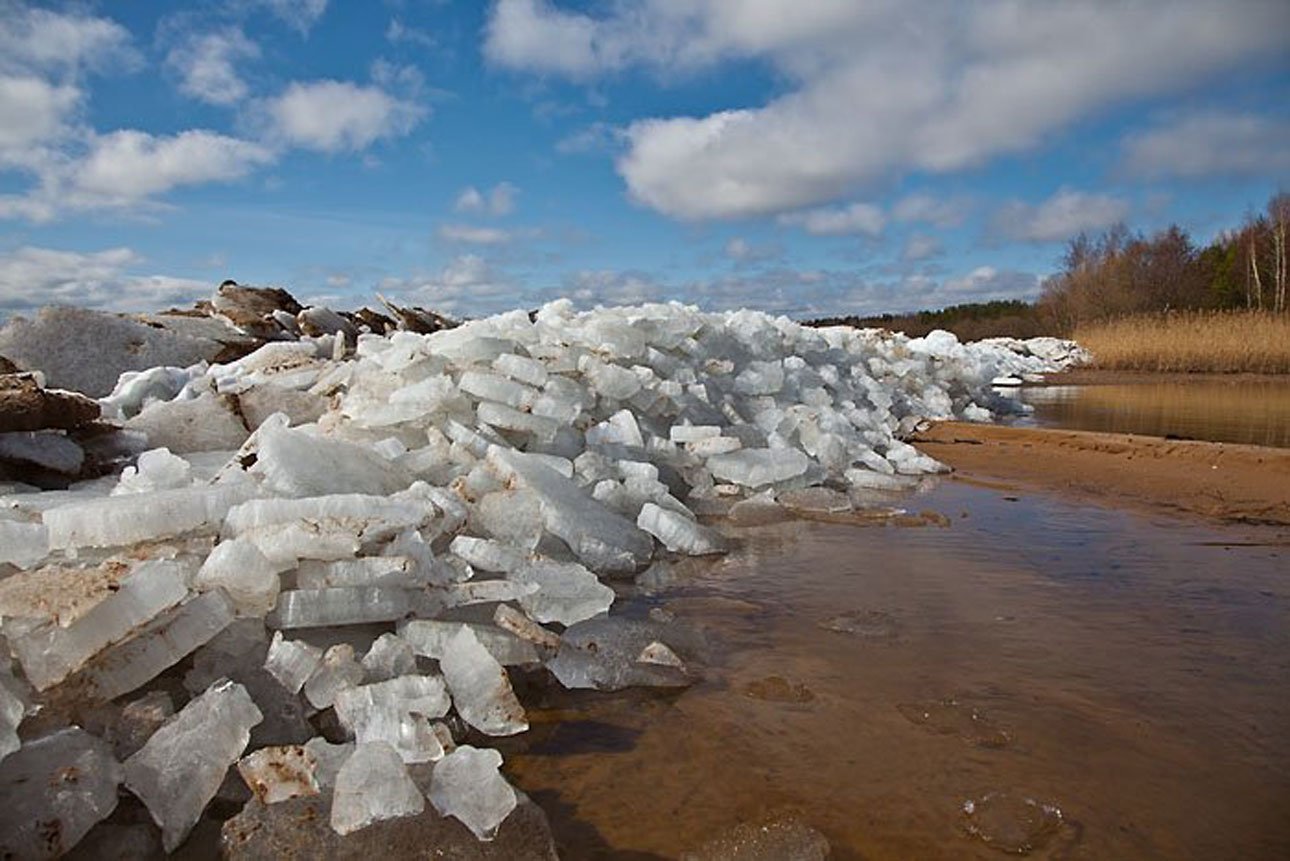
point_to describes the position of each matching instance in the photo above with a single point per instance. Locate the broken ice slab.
(693, 433)
(758, 467)
(389, 656)
(292, 662)
(244, 573)
(713, 446)
(155, 469)
(367, 571)
(12, 711)
(603, 540)
(480, 688)
(23, 544)
(56, 593)
(486, 592)
(487, 555)
(297, 463)
(51, 653)
(178, 771)
(207, 422)
(326, 527)
(274, 774)
(563, 592)
(467, 785)
(53, 791)
(512, 516)
(159, 646)
(678, 533)
(620, 428)
(328, 759)
(610, 381)
(372, 785)
(429, 638)
(319, 608)
(338, 671)
(606, 654)
(119, 520)
(510, 619)
(521, 369)
(397, 711)
(491, 387)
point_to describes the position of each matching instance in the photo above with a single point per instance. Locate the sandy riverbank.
(1240, 483)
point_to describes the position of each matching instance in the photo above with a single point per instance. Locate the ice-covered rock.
(178, 771)
(372, 785)
(467, 785)
(53, 791)
(480, 688)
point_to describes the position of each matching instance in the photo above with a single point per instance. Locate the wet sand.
(1130, 671)
(1234, 483)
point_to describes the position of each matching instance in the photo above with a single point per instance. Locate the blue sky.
(807, 157)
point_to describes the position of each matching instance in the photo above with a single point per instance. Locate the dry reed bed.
(1212, 342)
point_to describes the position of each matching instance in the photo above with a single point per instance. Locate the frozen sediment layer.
(397, 711)
(53, 791)
(372, 785)
(275, 774)
(178, 771)
(481, 691)
(116, 521)
(51, 653)
(467, 785)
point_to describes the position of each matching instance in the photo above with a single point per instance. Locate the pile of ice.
(348, 582)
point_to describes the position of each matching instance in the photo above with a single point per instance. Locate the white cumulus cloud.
(31, 277)
(874, 89)
(1208, 144)
(858, 218)
(1065, 214)
(209, 64)
(498, 201)
(338, 116)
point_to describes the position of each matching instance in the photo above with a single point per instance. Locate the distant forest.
(1122, 273)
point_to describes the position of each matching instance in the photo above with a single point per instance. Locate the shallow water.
(1255, 412)
(1098, 684)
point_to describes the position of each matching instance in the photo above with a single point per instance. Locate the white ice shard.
(178, 771)
(53, 791)
(365, 571)
(328, 758)
(758, 467)
(466, 784)
(397, 711)
(678, 533)
(244, 573)
(300, 464)
(565, 592)
(389, 656)
(603, 540)
(163, 643)
(337, 672)
(292, 662)
(12, 711)
(156, 469)
(486, 592)
(372, 785)
(509, 619)
(279, 773)
(51, 653)
(119, 520)
(325, 527)
(480, 688)
(485, 554)
(430, 637)
(204, 423)
(23, 544)
(320, 608)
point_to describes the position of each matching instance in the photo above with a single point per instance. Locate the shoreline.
(1218, 481)
(1088, 376)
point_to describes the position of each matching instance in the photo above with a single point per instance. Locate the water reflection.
(1254, 412)
(1131, 672)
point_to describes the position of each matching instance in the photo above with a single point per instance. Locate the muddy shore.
(1233, 483)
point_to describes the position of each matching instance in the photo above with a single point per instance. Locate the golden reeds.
(1194, 341)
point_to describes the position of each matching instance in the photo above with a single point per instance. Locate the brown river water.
(1101, 684)
(1253, 412)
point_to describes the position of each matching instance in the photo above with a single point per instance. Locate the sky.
(804, 157)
